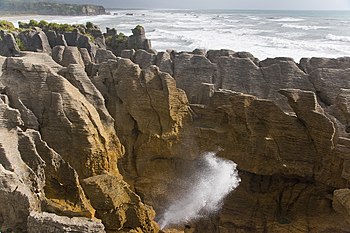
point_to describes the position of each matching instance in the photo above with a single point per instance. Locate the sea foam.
(210, 184)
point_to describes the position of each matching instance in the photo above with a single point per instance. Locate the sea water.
(265, 34)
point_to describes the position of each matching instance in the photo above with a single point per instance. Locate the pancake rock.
(55, 132)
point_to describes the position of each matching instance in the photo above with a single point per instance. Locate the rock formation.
(90, 140)
(43, 112)
(8, 45)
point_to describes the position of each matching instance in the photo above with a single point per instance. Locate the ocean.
(265, 34)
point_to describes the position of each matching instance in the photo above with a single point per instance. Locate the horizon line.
(238, 9)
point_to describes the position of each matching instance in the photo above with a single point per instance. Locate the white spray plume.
(215, 179)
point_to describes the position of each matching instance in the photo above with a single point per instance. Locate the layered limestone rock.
(47, 222)
(34, 40)
(138, 39)
(8, 45)
(226, 69)
(310, 64)
(150, 112)
(55, 131)
(285, 124)
(289, 163)
(92, 141)
(190, 71)
(275, 122)
(117, 206)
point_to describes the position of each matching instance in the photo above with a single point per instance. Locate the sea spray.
(209, 185)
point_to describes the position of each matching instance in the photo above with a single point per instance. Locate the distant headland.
(48, 8)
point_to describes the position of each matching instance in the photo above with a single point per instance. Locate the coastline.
(111, 133)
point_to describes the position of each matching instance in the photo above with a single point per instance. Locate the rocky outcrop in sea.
(98, 132)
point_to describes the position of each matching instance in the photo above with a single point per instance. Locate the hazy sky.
(225, 4)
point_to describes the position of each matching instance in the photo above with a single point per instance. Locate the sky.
(224, 4)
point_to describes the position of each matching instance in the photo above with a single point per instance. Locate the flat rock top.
(39, 58)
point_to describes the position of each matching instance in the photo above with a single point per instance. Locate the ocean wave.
(303, 27)
(285, 19)
(253, 17)
(338, 38)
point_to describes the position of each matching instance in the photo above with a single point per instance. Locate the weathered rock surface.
(55, 39)
(17, 197)
(275, 122)
(138, 39)
(285, 124)
(128, 53)
(150, 112)
(35, 41)
(117, 206)
(2, 61)
(310, 64)
(51, 223)
(329, 83)
(55, 131)
(144, 59)
(190, 71)
(71, 55)
(165, 63)
(103, 55)
(8, 45)
(266, 142)
(87, 59)
(55, 91)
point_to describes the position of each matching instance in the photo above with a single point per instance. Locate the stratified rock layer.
(71, 134)
(55, 131)
(286, 129)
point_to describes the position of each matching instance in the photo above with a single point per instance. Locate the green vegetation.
(48, 26)
(89, 25)
(20, 44)
(59, 28)
(6, 25)
(91, 37)
(121, 38)
(115, 41)
(139, 27)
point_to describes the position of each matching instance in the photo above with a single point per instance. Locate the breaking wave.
(303, 27)
(338, 38)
